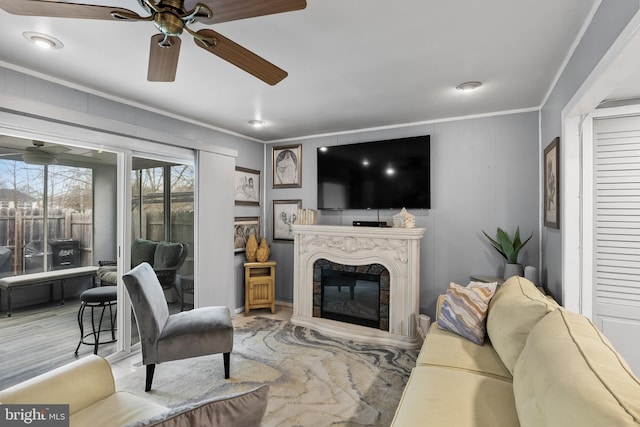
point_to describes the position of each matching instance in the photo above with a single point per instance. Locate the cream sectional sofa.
(541, 366)
(88, 387)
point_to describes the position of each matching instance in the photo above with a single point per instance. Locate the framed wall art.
(247, 186)
(551, 161)
(284, 215)
(242, 228)
(286, 162)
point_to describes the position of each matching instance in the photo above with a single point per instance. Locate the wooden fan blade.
(232, 10)
(163, 61)
(60, 10)
(242, 58)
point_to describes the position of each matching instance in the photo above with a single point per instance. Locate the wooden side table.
(259, 285)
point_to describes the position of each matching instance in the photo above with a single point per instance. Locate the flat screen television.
(389, 174)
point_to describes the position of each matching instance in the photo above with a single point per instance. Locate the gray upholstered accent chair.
(164, 337)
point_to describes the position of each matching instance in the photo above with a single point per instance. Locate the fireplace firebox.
(353, 294)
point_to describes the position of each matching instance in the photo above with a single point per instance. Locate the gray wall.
(610, 19)
(484, 175)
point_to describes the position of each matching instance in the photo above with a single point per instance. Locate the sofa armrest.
(107, 262)
(78, 384)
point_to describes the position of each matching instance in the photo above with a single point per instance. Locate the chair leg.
(150, 370)
(81, 324)
(227, 362)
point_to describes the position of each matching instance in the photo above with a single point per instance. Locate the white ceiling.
(352, 64)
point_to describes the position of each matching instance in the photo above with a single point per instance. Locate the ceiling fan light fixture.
(43, 41)
(257, 123)
(468, 87)
(38, 157)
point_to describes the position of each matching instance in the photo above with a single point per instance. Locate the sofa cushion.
(514, 310)
(464, 310)
(244, 409)
(167, 255)
(569, 374)
(439, 396)
(142, 250)
(108, 274)
(444, 348)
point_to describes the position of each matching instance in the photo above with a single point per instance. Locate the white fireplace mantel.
(398, 249)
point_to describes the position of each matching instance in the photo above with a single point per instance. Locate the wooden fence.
(20, 228)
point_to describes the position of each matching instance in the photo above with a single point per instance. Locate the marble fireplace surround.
(398, 249)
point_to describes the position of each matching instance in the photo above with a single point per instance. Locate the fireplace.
(362, 250)
(351, 294)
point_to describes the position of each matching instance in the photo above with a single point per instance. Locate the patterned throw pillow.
(464, 310)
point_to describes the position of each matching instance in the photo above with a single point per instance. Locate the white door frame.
(576, 147)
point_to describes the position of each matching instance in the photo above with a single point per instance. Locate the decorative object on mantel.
(252, 248)
(404, 219)
(307, 217)
(263, 251)
(509, 249)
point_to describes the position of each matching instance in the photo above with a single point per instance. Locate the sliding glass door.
(162, 210)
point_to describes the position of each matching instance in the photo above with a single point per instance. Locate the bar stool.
(104, 296)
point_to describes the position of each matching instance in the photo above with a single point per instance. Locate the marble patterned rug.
(315, 380)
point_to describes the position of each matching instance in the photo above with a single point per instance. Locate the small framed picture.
(247, 186)
(287, 166)
(285, 213)
(242, 228)
(552, 184)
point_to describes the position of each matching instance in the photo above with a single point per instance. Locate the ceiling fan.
(171, 18)
(38, 154)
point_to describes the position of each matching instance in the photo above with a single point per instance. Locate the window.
(44, 206)
(163, 204)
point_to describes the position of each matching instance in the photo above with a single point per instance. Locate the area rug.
(315, 380)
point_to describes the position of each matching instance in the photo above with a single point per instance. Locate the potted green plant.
(509, 249)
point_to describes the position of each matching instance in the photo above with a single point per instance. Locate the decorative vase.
(513, 270)
(251, 248)
(263, 251)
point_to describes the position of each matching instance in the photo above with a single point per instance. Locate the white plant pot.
(513, 270)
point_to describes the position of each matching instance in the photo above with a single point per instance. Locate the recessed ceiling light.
(468, 86)
(257, 123)
(43, 41)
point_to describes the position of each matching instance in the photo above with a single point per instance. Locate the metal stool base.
(95, 333)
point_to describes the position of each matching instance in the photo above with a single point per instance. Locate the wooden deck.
(39, 338)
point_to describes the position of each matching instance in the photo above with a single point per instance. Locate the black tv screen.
(389, 174)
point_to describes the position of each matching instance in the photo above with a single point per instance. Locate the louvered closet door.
(617, 234)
